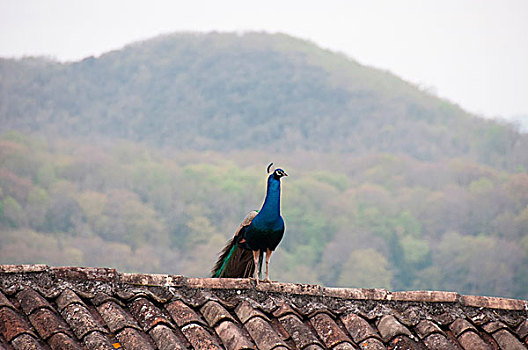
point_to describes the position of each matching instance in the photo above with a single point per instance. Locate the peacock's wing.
(247, 220)
(235, 261)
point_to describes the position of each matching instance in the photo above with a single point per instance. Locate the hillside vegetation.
(147, 158)
(257, 91)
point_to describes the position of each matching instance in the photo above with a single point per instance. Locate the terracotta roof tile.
(506, 340)
(4, 301)
(233, 337)
(492, 327)
(115, 317)
(328, 330)
(97, 308)
(301, 334)
(522, 330)
(426, 328)
(404, 342)
(12, 324)
(147, 314)
(48, 323)
(460, 326)
(26, 342)
(263, 334)
(436, 341)
(389, 327)
(68, 297)
(61, 341)
(30, 300)
(199, 337)
(371, 344)
(358, 327)
(283, 309)
(165, 338)
(182, 314)
(344, 346)
(470, 340)
(80, 320)
(133, 339)
(97, 341)
(213, 313)
(245, 312)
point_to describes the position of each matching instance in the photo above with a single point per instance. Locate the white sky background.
(473, 52)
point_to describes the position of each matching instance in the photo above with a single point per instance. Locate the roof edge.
(110, 275)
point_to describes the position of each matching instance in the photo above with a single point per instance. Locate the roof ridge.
(113, 277)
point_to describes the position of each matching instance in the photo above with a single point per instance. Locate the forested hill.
(253, 91)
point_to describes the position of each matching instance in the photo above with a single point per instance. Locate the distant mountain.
(223, 91)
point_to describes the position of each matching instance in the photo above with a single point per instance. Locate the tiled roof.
(45, 307)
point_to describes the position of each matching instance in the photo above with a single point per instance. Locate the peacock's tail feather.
(234, 261)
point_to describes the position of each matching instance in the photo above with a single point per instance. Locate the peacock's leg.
(256, 255)
(268, 256)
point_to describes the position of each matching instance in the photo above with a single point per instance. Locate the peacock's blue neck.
(271, 207)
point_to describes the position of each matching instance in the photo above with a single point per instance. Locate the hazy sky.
(473, 52)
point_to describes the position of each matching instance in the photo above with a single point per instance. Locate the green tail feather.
(224, 264)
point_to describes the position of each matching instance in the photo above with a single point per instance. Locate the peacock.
(260, 232)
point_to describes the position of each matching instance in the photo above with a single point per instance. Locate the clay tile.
(245, 312)
(444, 319)
(4, 301)
(479, 318)
(522, 330)
(133, 339)
(233, 337)
(101, 298)
(26, 342)
(199, 337)
(61, 341)
(115, 317)
(12, 324)
(438, 341)
(68, 297)
(30, 300)
(506, 340)
(372, 344)
(358, 328)
(389, 328)
(182, 314)
(410, 316)
(301, 334)
(492, 327)
(470, 340)
(47, 323)
(426, 327)
(80, 320)
(283, 309)
(460, 325)
(328, 330)
(344, 346)
(165, 338)
(97, 341)
(404, 342)
(193, 297)
(315, 347)
(214, 313)
(263, 334)
(147, 314)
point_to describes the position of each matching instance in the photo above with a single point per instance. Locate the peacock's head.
(277, 173)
